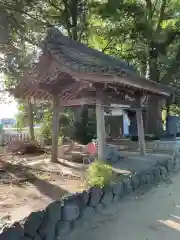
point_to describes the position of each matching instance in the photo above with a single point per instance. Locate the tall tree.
(23, 26)
(18, 44)
(149, 30)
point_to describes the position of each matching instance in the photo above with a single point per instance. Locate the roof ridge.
(55, 36)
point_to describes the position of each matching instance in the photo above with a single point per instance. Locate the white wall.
(118, 109)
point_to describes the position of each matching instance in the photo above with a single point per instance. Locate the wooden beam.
(140, 128)
(55, 128)
(131, 80)
(92, 101)
(100, 129)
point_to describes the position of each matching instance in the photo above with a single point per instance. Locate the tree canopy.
(143, 32)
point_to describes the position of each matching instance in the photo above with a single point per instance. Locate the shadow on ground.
(22, 175)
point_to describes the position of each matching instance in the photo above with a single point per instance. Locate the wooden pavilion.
(69, 73)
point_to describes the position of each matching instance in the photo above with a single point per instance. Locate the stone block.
(127, 186)
(157, 174)
(80, 199)
(117, 188)
(95, 196)
(53, 214)
(107, 198)
(80, 223)
(86, 216)
(163, 171)
(15, 232)
(149, 177)
(99, 208)
(63, 229)
(134, 182)
(176, 166)
(70, 211)
(27, 238)
(162, 163)
(116, 198)
(32, 223)
(88, 213)
(47, 230)
(112, 154)
(142, 178)
(170, 165)
(37, 237)
(85, 196)
(54, 211)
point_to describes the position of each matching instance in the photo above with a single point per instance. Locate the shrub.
(65, 125)
(85, 127)
(46, 131)
(99, 174)
(46, 126)
(60, 140)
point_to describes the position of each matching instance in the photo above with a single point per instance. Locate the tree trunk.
(31, 121)
(55, 128)
(167, 114)
(140, 128)
(154, 116)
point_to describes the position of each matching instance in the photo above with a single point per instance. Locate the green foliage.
(145, 33)
(99, 174)
(85, 127)
(23, 25)
(20, 122)
(60, 141)
(46, 130)
(21, 117)
(65, 121)
(46, 126)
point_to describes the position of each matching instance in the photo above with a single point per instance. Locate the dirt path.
(154, 215)
(18, 201)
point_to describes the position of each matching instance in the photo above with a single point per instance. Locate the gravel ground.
(24, 190)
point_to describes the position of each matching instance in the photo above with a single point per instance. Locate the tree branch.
(161, 15)
(173, 69)
(82, 31)
(74, 14)
(22, 36)
(55, 6)
(172, 35)
(46, 23)
(149, 9)
(107, 45)
(154, 8)
(68, 24)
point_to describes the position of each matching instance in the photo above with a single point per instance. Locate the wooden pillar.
(100, 128)
(55, 129)
(140, 128)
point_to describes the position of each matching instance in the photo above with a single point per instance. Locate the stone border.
(81, 166)
(62, 217)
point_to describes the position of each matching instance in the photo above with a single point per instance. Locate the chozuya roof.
(80, 58)
(65, 61)
(77, 54)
